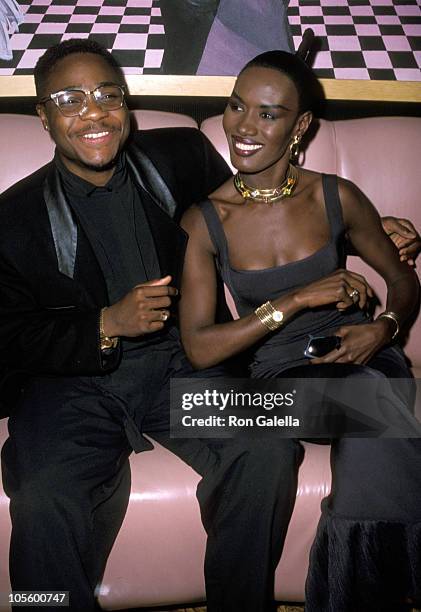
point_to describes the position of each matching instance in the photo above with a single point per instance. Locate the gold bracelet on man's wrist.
(392, 316)
(105, 342)
(269, 316)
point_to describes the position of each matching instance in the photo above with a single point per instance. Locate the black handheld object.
(319, 346)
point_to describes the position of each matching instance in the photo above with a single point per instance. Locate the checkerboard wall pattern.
(360, 39)
(131, 29)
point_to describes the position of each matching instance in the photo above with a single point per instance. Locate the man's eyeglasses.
(72, 102)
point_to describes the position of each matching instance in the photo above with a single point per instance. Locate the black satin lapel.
(159, 205)
(170, 240)
(63, 224)
(148, 176)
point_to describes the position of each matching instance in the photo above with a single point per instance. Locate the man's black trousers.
(66, 470)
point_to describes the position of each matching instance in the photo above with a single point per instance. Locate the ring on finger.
(354, 295)
(164, 315)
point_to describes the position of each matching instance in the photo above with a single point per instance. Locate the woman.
(277, 236)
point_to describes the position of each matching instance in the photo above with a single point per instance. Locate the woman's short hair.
(308, 87)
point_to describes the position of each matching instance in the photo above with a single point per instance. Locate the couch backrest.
(150, 119)
(26, 146)
(382, 156)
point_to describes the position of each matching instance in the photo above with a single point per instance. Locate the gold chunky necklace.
(268, 196)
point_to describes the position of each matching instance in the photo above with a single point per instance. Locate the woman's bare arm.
(370, 241)
(206, 342)
(361, 342)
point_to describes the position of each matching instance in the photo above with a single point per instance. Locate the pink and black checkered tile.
(132, 29)
(362, 39)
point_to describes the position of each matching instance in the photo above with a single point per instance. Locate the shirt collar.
(76, 186)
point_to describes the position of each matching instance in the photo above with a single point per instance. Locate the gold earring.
(294, 148)
(46, 128)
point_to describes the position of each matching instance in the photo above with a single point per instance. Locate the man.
(89, 267)
(90, 262)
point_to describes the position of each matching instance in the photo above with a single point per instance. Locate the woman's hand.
(405, 237)
(342, 288)
(359, 343)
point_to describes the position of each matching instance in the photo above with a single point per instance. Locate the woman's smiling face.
(261, 119)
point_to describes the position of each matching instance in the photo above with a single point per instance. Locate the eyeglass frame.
(53, 97)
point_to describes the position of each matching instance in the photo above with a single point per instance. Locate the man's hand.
(143, 310)
(404, 236)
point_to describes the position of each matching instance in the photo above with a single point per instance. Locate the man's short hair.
(47, 62)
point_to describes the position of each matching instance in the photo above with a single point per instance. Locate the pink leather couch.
(158, 555)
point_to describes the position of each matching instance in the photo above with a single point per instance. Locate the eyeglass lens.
(72, 102)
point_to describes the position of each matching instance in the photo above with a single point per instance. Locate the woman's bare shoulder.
(191, 217)
(351, 196)
(309, 184)
(193, 222)
(226, 199)
(224, 191)
(357, 209)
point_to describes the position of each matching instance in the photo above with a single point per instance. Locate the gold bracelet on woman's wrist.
(389, 314)
(269, 316)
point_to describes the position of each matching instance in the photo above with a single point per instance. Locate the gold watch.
(269, 316)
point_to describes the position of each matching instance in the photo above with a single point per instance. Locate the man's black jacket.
(51, 285)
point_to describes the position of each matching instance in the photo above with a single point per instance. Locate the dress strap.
(333, 204)
(216, 231)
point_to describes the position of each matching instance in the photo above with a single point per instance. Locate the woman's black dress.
(367, 551)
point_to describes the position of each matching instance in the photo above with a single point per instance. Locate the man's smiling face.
(87, 143)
